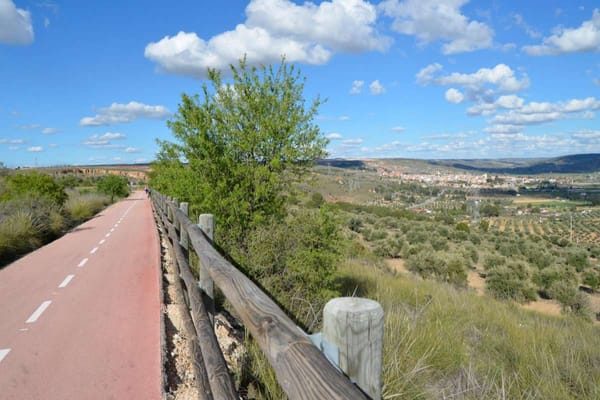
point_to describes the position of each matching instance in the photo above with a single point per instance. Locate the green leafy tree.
(113, 186)
(33, 184)
(240, 145)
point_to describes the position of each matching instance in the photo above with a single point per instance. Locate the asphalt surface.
(80, 317)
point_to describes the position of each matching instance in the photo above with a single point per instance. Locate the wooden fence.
(355, 326)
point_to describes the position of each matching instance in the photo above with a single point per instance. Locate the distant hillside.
(572, 164)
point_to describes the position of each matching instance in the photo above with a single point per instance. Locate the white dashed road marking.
(3, 353)
(112, 230)
(66, 281)
(82, 263)
(102, 241)
(37, 313)
(107, 235)
(95, 249)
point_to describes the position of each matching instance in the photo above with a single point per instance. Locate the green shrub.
(493, 260)
(33, 184)
(545, 278)
(577, 258)
(82, 207)
(571, 299)
(484, 225)
(316, 200)
(463, 227)
(20, 232)
(503, 283)
(431, 264)
(591, 278)
(355, 224)
(295, 260)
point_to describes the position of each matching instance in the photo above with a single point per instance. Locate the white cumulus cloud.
(333, 136)
(480, 86)
(501, 76)
(376, 88)
(35, 149)
(432, 20)
(124, 113)
(585, 38)
(454, 96)
(357, 87)
(306, 33)
(15, 24)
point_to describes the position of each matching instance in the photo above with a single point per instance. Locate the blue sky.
(95, 82)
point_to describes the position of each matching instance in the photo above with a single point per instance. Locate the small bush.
(463, 227)
(577, 258)
(33, 184)
(571, 299)
(592, 278)
(82, 207)
(504, 284)
(19, 233)
(355, 224)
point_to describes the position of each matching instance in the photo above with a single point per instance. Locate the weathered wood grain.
(198, 367)
(302, 371)
(355, 326)
(206, 223)
(218, 375)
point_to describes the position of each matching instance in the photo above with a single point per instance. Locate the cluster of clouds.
(375, 87)
(107, 142)
(479, 86)
(312, 34)
(585, 38)
(118, 113)
(477, 145)
(493, 92)
(307, 33)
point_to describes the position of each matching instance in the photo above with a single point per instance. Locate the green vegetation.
(245, 143)
(248, 145)
(33, 184)
(36, 208)
(113, 186)
(443, 342)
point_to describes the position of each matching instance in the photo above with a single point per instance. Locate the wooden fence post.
(175, 221)
(206, 223)
(355, 326)
(184, 238)
(169, 213)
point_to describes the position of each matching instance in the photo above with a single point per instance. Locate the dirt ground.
(397, 265)
(544, 306)
(475, 281)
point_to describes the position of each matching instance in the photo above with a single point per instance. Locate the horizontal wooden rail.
(301, 369)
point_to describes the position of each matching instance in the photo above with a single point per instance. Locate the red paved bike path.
(80, 317)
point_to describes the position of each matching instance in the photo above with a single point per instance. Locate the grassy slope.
(441, 342)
